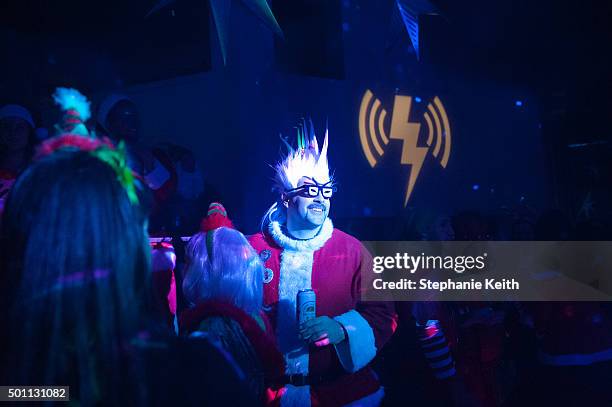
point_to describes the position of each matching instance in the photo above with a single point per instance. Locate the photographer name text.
(446, 285)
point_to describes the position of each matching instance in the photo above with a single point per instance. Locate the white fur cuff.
(295, 396)
(360, 348)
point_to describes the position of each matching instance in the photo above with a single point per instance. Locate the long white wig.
(226, 269)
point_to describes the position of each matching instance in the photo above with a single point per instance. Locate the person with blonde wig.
(224, 286)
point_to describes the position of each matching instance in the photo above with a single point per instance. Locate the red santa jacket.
(330, 264)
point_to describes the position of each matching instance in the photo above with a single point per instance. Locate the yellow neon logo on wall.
(372, 133)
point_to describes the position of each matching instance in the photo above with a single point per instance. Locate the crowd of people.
(90, 301)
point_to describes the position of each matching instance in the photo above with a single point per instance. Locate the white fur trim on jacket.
(296, 396)
(360, 348)
(295, 275)
(311, 245)
(157, 177)
(373, 400)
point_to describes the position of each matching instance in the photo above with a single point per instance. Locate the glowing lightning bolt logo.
(408, 132)
(374, 138)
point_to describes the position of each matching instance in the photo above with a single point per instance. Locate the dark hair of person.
(76, 265)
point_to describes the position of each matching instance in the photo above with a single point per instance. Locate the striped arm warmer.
(436, 350)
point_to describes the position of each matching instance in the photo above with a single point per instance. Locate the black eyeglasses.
(312, 191)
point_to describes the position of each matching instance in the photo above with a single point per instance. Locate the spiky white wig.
(305, 161)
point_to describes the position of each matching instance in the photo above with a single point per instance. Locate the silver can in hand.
(306, 305)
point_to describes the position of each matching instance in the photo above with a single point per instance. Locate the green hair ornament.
(117, 159)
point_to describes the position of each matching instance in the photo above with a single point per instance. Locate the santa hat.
(304, 161)
(215, 218)
(107, 105)
(17, 111)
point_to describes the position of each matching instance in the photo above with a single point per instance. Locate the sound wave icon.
(441, 131)
(372, 126)
(374, 138)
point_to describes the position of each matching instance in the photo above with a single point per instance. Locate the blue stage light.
(475, 187)
(518, 103)
(418, 99)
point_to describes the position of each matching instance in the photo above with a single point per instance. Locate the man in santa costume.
(327, 357)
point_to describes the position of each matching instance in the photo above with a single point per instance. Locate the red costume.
(330, 264)
(260, 336)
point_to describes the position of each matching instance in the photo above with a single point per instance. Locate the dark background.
(479, 57)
